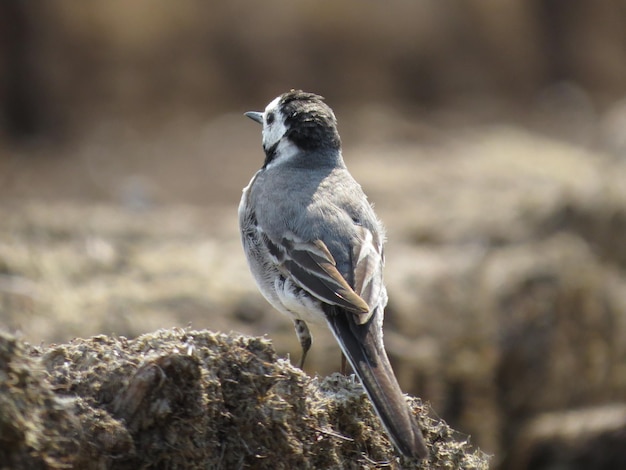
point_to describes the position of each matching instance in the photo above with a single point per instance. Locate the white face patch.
(285, 151)
(273, 124)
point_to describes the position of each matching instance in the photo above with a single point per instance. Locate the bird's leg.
(304, 335)
(344, 365)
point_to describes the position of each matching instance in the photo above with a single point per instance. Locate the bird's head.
(297, 121)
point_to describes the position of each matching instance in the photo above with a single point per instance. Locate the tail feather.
(364, 349)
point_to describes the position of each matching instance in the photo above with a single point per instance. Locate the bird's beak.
(255, 116)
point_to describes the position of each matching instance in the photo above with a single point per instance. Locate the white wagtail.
(315, 249)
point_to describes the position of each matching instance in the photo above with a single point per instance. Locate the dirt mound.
(192, 399)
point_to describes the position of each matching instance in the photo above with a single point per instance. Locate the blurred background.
(491, 137)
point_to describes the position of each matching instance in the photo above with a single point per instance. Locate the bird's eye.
(270, 118)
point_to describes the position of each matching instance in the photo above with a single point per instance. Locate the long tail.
(364, 349)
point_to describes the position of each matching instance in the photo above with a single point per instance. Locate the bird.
(315, 249)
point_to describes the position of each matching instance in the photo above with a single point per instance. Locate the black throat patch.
(270, 154)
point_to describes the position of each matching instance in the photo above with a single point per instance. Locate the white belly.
(297, 303)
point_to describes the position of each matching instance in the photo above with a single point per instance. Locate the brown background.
(490, 136)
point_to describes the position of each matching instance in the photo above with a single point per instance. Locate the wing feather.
(314, 268)
(368, 260)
